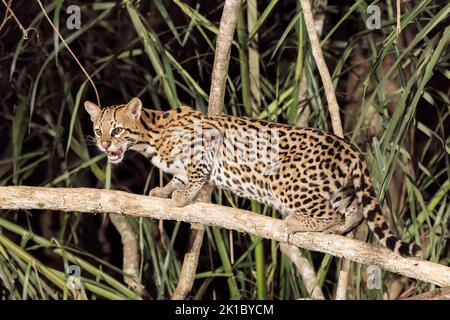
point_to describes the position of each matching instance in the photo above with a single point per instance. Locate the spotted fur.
(320, 181)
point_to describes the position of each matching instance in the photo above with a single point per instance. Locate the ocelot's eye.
(98, 132)
(116, 131)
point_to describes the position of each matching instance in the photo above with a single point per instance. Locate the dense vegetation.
(393, 90)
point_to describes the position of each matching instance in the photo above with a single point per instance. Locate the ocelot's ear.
(134, 107)
(93, 110)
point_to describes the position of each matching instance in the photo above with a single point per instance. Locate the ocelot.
(320, 181)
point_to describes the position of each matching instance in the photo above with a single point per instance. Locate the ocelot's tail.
(374, 215)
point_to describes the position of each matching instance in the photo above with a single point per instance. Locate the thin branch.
(190, 262)
(8, 14)
(222, 56)
(70, 51)
(322, 67)
(342, 284)
(118, 202)
(19, 24)
(253, 58)
(333, 108)
(304, 111)
(305, 269)
(131, 255)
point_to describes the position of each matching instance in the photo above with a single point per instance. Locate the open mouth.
(115, 156)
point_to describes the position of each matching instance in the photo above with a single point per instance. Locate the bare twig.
(70, 51)
(9, 13)
(190, 260)
(334, 114)
(322, 67)
(215, 107)
(304, 111)
(130, 252)
(341, 288)
(253, 58)
(305, 269)
(118, 202)
(222, 56)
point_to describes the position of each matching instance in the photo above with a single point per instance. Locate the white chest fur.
(175, 168)
(144, 149)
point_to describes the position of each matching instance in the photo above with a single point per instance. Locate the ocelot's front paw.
(181, 198)
(159, 192)
(292, 224)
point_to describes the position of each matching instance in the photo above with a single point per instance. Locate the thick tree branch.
(119, 202)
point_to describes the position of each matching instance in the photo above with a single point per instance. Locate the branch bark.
(305, 111)
(131, 257)
(253, 58)
(333, 108)
(322, 67)
(437, 294)
(305, 269)
(216, 101)
(192, 254)
(222, 57)
(118, 202)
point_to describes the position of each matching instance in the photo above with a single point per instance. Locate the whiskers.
(90, 141)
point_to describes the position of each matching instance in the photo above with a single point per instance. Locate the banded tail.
(374, 215)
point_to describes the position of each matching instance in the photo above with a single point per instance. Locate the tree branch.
(222, 56)
(130, 244)
(215, 106)
(190, 260)
(436, 294)
(118, 202)
(305, 269)
(333, 108)
(322, 67)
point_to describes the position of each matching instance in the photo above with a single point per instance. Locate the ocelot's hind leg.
(298, 223)
(316, 216)
(346, 204)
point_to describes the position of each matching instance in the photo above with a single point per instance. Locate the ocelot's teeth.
(115, 156)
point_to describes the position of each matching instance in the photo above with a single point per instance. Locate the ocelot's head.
(116, 128)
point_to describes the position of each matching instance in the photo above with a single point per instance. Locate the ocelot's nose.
(106, 144)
